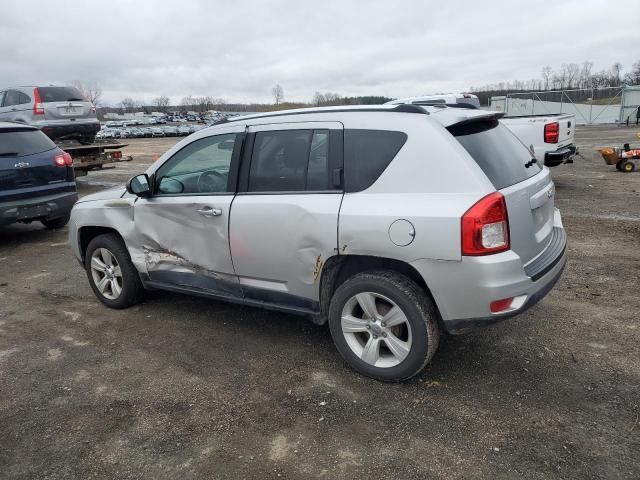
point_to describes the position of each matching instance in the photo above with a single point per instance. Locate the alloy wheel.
(106, 273)
(376, 329)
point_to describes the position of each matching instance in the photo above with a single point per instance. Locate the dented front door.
(182, 229)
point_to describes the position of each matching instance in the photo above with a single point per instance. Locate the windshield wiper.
(8, 154)
(75, 99)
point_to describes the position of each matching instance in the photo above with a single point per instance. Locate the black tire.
(619, 165)
(132, 289)
(421, 314)
(628, 167)
(56, 223)
(87, 140)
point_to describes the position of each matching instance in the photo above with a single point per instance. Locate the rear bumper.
(560, 156)
(68, 129)
(37, 208)
(463, 290)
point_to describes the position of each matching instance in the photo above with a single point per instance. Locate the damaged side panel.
(280, 242)
(180, 246)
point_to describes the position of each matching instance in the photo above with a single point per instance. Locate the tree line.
(569, 76)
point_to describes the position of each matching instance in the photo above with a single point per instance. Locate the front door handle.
(209, 212)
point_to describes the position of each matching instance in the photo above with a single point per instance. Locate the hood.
(110, 194)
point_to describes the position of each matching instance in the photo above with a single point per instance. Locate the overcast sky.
(239, 50)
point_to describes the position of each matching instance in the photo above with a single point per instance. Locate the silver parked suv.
(60, 112)
(391, 223)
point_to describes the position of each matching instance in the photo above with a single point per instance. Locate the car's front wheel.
(112, 276)
(384, 325)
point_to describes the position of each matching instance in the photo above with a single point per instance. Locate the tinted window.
(366, 155)
(318, 169)
(11, 98)
(26, 142)
(60, 94)
(498, 152)
(23, 98)
(200, 167)
(279, 161)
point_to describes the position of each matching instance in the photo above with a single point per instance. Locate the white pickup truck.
(549, 137)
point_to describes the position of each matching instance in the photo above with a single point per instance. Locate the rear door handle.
(209, 212)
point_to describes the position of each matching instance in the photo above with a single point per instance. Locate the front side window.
(202, 167)
(290, 161)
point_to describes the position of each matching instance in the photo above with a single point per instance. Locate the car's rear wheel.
(112, 276)
(384, 325)
(56, 223)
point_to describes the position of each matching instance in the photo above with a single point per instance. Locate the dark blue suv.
(36, 178)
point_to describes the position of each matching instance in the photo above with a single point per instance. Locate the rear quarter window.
(20, 143)
(367, 153)
(497, 151)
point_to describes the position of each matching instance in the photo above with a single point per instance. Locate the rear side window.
(290, 161)
(497, 151)
(367, 153)
(14, 97)
(19, 143)
(60, 94)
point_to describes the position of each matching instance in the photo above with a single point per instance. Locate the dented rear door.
(284, 219)
(182, 229)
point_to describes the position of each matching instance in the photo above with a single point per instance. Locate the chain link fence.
(590, 106)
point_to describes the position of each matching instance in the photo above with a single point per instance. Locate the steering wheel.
(211, 181)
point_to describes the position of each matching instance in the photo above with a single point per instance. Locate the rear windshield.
(498, 152)
(23, 142)
(60, 94)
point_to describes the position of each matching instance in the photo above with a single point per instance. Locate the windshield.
(499, 153)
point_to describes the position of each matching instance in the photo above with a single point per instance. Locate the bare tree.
(161, 102)
(616, 70)
(128, 104)
(326, 99)
(278, 94)
(188, 102)
(633, 77)
(90, 90)
(585, 74)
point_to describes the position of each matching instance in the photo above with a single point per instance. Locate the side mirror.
(139, 185)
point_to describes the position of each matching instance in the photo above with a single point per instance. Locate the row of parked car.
(149, 132)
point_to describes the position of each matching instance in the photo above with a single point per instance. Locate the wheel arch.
(88, 233)
(339, 268)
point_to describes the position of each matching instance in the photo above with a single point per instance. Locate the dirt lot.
(181, 387)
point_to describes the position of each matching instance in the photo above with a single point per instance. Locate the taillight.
(116, 154)
(38, 106)
(551, 132)
(63, 160)
(485, 226)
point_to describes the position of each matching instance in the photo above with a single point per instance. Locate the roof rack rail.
(401, 108)
(426, 103)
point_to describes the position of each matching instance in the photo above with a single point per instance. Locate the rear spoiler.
(475, 124)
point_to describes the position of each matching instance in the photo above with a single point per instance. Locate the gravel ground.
(181, 387)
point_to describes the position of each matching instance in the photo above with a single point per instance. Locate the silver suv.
(60, 112)
(391, 223)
